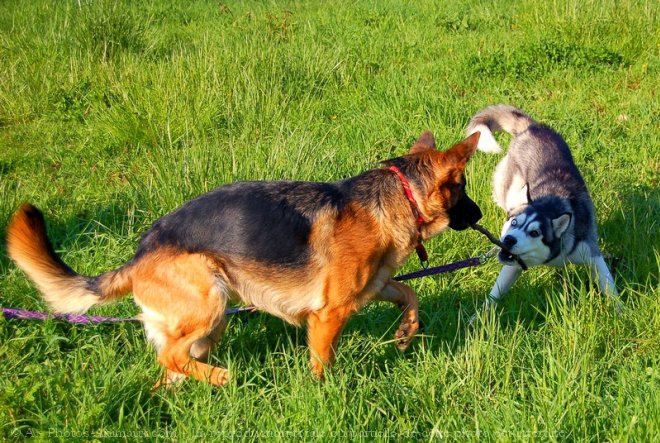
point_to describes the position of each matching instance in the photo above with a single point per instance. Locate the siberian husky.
(550, 216)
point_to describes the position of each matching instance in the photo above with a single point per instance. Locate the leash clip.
(483, 258)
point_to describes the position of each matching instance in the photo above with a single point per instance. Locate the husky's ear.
(515, 199)
(560, 224)
(461, 152)
(423, 143)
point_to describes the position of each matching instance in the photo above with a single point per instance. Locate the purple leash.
(91, 319)
(474, 261)
(86, 319)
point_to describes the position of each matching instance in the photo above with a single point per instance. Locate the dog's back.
(537, 156)
(277, 216)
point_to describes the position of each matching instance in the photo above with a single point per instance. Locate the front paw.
(481, 315)
(318, 368)
(404, 335)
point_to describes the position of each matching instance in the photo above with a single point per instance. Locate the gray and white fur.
(550, 216)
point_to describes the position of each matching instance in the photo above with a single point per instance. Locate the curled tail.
(62, 288)
(497, 118)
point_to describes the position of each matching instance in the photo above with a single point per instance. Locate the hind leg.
(182, 348)
(499, 182)
(601, 273)
(183, 306)
(175, 357)
(591, 256)
(201, 348)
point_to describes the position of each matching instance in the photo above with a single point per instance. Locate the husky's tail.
(497, 118)
(62, 288)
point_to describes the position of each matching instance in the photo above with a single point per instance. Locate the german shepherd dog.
(305, 252)
(550, 216)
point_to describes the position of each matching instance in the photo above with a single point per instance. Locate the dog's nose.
(509, 241)
(464, 214)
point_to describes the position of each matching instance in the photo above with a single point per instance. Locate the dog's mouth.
(464, 214)
(506, 257)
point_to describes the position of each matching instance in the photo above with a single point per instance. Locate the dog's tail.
(62, 288)
(497, 118)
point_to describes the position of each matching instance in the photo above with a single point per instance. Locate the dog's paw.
(482, 314)
(406, 332)
(318, 368)
(472, 320)
(617, 304)
(219, 377)
(170, 380)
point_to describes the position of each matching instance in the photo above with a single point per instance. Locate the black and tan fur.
(311, 253)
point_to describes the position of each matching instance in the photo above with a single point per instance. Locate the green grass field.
(114, 113)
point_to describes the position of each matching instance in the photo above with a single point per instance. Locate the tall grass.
(114, 113)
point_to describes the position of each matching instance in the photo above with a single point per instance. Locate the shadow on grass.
(630, 235)
(75, 231)
(4, 259)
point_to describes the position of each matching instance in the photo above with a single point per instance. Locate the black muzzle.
(464, 214)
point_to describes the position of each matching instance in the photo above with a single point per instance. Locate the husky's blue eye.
(534, 233)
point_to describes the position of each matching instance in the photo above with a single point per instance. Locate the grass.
(114, 113)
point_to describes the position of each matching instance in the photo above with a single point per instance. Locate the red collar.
(409, 194)
(421, 251)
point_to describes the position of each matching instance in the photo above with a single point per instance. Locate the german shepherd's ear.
(461, 152)
(423, 143)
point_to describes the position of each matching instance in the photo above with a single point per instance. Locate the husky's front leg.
(506, 279)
